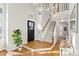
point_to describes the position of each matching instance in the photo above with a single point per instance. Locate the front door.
(31, 34)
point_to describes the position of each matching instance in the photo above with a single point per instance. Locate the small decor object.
(17, 38)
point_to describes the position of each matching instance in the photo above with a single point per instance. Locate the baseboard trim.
(28, 48)
(35, 50)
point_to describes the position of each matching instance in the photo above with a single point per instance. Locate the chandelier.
(39, 10)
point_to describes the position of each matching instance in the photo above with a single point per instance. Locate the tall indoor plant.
(17, 38)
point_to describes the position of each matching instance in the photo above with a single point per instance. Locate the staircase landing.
(37, 45)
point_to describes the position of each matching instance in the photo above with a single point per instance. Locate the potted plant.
(17, 38)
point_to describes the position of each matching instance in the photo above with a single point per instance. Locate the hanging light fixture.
(39, 10)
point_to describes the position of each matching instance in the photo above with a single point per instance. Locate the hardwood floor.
(25, 52)
(38, 44)
(54, 52)
(3, 53)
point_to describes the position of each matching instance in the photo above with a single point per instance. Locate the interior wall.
(41, 21)
(71, 5)
(77, 36)
(17, 19)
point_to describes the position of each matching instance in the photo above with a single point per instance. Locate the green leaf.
(17, 37)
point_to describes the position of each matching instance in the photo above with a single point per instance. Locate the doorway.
(31, 30)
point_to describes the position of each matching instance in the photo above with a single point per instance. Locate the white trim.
(6, 25)
(28, 48)
(34, 50)
(53, 44)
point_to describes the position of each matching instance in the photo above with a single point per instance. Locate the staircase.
(48, 33)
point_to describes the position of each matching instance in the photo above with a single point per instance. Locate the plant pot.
(20, 48)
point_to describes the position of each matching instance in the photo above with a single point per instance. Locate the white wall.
(41, 21)
(17, 18)
(46, 15)
(71, 5)
(38, 27)
(77, 37)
